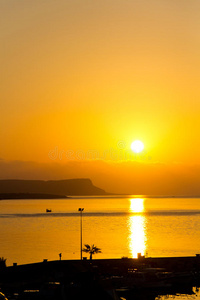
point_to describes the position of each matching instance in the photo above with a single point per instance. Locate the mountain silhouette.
(73, 187)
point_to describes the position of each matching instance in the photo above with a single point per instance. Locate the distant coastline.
(52, 188)
(27, 196)
(36, 196)
(55, 189)
(156, 196)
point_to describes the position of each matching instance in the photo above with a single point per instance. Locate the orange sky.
(81, 79)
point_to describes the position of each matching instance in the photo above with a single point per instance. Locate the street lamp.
(81, 210)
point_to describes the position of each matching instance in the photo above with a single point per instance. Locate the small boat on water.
(48, 210)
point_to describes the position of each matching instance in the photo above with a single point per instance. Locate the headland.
(68, 187)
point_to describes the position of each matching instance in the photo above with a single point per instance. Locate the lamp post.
(81, 211)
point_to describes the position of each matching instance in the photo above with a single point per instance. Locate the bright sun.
(137, 146)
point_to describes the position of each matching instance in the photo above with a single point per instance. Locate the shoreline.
(30, 196)
(38, 196)
(174, 263)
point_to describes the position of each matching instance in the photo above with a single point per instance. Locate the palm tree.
(2, 262)
(91, 250)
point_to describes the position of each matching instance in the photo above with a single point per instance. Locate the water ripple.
(102, 214)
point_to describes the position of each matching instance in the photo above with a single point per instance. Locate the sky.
(82, 79)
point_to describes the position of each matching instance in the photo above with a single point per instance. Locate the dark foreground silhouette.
(107, 279)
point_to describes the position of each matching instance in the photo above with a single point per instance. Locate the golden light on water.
(137, 205)
(137, 228)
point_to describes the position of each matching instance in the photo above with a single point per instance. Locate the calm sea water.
(120, 226)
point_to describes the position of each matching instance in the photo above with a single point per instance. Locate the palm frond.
(3, 259)
(87, 248)
(91, 250)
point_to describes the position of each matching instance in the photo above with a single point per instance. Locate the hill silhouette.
(8, 196)
(73, 187)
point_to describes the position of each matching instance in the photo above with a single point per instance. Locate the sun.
(137, 146)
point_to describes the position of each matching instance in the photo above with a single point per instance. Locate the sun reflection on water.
(137, 227)
(137, 205)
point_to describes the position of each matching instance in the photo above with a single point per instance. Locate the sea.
(121, 226)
